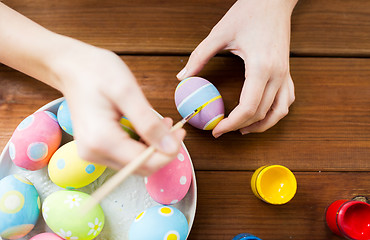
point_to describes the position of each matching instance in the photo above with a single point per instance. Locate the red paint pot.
(350, 219)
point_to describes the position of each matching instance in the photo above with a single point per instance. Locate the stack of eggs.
(36, 143)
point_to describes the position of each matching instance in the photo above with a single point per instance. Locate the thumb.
(201, 55)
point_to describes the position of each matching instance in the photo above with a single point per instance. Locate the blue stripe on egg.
(197, 99)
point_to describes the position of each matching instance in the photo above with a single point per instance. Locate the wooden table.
(325, 139)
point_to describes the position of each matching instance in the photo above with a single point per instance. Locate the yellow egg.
(68, 170)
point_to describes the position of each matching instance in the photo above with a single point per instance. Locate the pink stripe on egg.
(207, 113)
(188, 87)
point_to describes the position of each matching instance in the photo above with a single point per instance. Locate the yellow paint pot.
(274, 184)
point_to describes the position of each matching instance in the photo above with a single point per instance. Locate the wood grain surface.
(327, 129)
(319, 28)
(227, 206)
(324, 139)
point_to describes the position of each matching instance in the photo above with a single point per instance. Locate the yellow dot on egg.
(139, 216)
(166, 211)
(172, 236)
(64, 128)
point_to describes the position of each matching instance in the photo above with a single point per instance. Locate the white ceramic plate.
(120, 207)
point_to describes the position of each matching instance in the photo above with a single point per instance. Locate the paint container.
(245, 236)
(274, 184)
(349, 219)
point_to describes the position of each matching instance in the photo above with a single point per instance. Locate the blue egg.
(245, 236)
(19, 206)
(64, 118)
(159, 223)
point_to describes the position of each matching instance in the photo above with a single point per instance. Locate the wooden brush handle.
(120, 176)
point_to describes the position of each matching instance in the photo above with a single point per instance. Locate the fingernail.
(244, 132)
(181, 74)
(217, 135)
(168, 144)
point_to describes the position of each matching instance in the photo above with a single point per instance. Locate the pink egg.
(35, 140)
(171, 183)
(46, 236)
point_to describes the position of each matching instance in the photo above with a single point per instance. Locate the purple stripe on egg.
(207, 113)
(188, 87)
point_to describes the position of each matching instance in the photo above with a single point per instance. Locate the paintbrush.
(121, 175)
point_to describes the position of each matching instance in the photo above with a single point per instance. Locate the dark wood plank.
(332, 27)
(227, 206)
(328, 127)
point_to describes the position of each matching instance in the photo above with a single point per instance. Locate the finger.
(266, 102)
(250, 99)
(168, 122)
(279, 109)
(148, 125)
(113, 147)
(212, 44)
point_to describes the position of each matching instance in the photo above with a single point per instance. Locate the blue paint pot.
(245, 236)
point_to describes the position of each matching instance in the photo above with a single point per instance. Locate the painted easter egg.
(46, 236)
(64, 118)
(129, 128)
(65, 122)
(64, 213)
(35, 140)
(194, 92)
(19, 206)
(68, 170)
(159, 223)
(171, 183)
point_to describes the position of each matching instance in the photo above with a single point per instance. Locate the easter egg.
(129, 128)
(35, 140)
(68, 170)
(19, 206)
(64, 213)
(170, 184)
(64, 118)
(193, 92)
(46, 236)
(159, 223)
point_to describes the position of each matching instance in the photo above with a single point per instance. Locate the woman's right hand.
(99, 89)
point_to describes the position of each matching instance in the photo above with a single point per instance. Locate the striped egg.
(194, 92)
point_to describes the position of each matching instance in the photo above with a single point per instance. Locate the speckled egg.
(159, 223)
(171, 183)
(35, 140)
(19, 206)
(64, 118)
(129, 128)
(63, 212)
(46, 236)
(68, 170)
(194, 92)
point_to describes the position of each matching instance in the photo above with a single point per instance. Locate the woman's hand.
(258, 32)
(99, 89)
